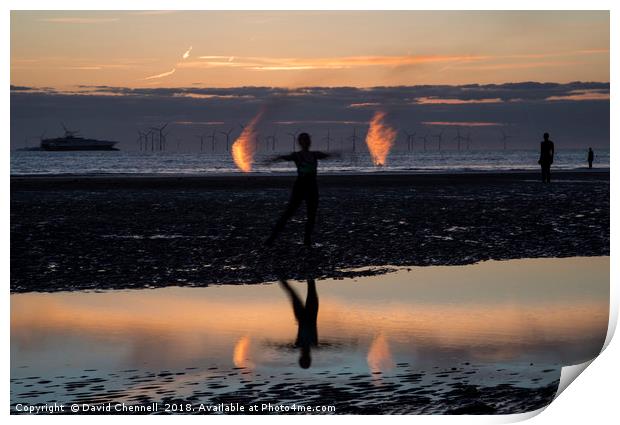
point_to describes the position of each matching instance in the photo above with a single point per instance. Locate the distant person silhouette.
(306, 315)
(304, 189)
(547, 151)
(590, 157)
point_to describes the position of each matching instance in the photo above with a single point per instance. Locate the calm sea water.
(415, 328)
(38, 162)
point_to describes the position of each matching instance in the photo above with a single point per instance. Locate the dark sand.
(102, 232)
(410, 391)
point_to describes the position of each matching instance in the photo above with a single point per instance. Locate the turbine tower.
(165, 140)
(139, 141)
(152, 134)
(425, 140)
(162, 137)
(257, 142)
(212, 138)
(354, 138)
(505, 138)
(458, 139)
(410, 140)
(328, 140)
(143, 140)
(273, 139)
(227, 134)
(438, 136)
(202, 140)
(468, 140)
(294, 136)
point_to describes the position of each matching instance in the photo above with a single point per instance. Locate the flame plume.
(379, 357)
(241, 353)
(380, 138)
(244, 147)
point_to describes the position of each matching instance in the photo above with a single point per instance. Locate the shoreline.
(284, 179)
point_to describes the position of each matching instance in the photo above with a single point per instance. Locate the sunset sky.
(64, 49)
(110, 73)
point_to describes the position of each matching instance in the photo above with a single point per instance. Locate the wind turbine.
(212, 138)
(468, 140)
(425, 139)
(227, 134)
(410, 140)
(273, 140)
(146, 137)
(165, 140)
(328, 139)
(439, 136)
(294, 136)
(505, 138)
(257, 142)
(139, 140)
(202, 140)
(162, 137)
(458, 138)
(353, 138)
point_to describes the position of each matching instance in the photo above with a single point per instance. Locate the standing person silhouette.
(306, 316)
(590, 157)
(304, 189)
(547, 150)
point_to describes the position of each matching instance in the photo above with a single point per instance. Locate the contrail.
(186, 54)
(164, 74)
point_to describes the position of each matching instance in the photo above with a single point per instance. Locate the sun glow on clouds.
(344, 62)
(78, 20)
(582, 95)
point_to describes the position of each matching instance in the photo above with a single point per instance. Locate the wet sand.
(103, 232)
(436, 391)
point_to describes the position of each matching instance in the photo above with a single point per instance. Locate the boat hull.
(79, 148)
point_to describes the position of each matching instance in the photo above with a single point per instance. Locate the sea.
(28, 162)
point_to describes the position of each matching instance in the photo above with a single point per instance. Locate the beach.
(77, 232)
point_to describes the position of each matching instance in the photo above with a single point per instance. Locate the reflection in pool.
(425, 332)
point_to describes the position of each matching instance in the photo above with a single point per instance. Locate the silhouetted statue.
(304, 189)
(590, 157)
(306, 315)
(547, 151)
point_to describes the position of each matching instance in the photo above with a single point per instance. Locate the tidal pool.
(484, 338)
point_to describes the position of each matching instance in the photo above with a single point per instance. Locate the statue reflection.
(306, 316)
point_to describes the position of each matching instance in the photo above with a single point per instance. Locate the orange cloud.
(363, 105)
(438, 101)
(582, 95)
(78, 20)
(527, 65)
(462, 123)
